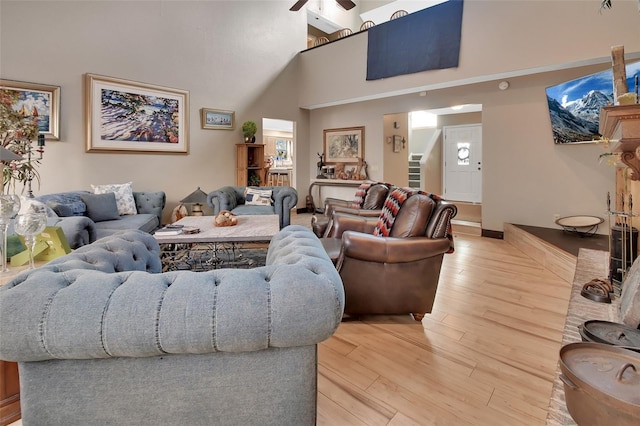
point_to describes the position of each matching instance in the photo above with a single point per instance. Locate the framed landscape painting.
(124, 115)
(38, 101)
(217, 119)
(343, 145)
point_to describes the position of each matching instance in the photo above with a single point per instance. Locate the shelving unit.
(249, 162)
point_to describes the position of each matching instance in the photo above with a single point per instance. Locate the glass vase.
(29, 225)
(9, 208)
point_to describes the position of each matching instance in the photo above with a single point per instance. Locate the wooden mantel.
(621, 125)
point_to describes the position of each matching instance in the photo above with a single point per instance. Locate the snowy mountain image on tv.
(574, 106)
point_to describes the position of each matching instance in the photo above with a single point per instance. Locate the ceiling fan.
(346, 4)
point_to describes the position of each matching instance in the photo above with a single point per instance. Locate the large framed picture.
(124, 115)
(217, 119)
(40, 101)
(343, 145)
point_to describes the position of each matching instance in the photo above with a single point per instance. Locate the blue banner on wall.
(424, 40)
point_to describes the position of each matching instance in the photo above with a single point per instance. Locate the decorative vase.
(29, 225)
(250, 139)
(9, 208)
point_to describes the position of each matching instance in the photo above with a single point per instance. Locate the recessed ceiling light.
(503, 85)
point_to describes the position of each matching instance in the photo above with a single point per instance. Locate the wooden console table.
(328, 182)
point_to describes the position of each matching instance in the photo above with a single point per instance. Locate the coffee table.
(215, 247)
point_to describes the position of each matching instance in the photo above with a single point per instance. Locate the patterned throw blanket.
(392, 206)
(361, 194)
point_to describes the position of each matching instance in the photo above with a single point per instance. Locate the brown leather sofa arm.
(341, 222)
(390, 250)
(329, 203)
(359, 212)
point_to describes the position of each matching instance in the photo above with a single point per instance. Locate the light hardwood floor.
(486, 355)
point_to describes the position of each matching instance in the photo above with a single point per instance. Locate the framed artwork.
(217, 119)
(39, 101)
(397, 143)
(344, 145)
(123, 115)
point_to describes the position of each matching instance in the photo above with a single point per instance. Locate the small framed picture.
(39, 101)
(397, 143)
(217, 119)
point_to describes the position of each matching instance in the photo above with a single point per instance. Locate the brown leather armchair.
(397, 274)
(371, 206)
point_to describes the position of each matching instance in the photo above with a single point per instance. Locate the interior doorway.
(462, 163)
(279, 138)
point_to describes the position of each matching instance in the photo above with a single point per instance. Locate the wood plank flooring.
(486, 355)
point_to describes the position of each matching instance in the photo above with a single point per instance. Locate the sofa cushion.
(258, 197)
(73, 204)
(124, 196)
(144, 222)
(101, 207)
(62, 210)
(244, 209)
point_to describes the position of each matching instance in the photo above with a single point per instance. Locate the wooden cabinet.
(250, 163)
(9, 393)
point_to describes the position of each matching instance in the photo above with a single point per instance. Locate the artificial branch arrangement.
(17, 130)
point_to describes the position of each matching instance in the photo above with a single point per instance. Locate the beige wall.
(229, 55)
(216, 50)
(396, 164)
(500, 39)
(526, 177)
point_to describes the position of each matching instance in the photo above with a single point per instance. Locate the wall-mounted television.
(574, 106)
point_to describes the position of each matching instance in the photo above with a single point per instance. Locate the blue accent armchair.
(232, 198)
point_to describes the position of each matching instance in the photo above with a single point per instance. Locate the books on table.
(176, 230)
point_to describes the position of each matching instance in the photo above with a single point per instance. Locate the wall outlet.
(556, 217)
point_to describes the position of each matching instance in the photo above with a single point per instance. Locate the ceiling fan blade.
(347, 4)
(296, 7)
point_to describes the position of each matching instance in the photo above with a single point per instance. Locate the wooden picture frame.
(40, 101)
(397, 143)
(129, 116)
(344, 145)
(217, 119)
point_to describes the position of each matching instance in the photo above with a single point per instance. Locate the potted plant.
(254, 180)
(249, 130)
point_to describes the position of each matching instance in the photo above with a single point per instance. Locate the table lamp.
(197, 198)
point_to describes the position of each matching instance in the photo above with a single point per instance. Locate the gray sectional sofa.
(232, 198)
(101, 337)
(72, 216)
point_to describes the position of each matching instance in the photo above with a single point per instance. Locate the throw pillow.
(124, 196)
(257, 197)
(62, 210)
(101, 207)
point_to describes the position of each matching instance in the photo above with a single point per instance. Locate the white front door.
(462, 171)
